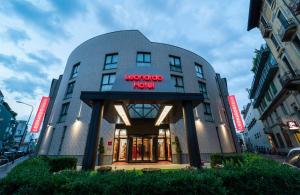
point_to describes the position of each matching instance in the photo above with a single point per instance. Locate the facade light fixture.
(163, 114)
(121, 111)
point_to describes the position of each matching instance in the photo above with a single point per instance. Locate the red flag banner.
(236, 113)
(40, 115)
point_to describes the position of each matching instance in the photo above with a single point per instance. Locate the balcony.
(266, 29)
(287, 30)
(291, 80)
(295, 7)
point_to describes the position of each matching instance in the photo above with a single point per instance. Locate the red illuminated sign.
(40, 115)
(143, 81)
(109, 143)
(236, 113)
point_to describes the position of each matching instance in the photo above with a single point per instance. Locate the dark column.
(189, 123)
(91, 146)
(218, 135)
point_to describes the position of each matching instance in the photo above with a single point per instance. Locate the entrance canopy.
(111, 98)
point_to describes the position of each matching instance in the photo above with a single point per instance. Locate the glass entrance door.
(141, 149)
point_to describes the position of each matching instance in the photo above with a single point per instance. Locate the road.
(4, 169)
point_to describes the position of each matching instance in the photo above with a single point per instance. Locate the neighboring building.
(255, 138)
(52, 95)
(20, 134)
(138, 96)
(8, 124)
(276, 85)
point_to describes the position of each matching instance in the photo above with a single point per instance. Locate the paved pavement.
(4, 169)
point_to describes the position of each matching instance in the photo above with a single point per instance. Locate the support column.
(91, 147)
(192, 140)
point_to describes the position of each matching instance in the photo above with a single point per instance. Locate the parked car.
(293, 157)
(3, 160)
(10, 155)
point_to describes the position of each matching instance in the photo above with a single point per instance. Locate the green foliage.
(223, 158)
(252, 175)
(101, 146)
(62, 163)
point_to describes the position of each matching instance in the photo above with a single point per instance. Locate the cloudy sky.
(37, 36)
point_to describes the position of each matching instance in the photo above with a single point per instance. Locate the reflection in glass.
(116, 147)
(161, 149)
(123, 149)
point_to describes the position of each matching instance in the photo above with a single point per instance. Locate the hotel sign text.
(236, 113)
(144, 81)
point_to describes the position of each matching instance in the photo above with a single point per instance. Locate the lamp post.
(26, 127)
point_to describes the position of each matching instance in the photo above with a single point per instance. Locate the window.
(203, 89)
(273, 87)
(63, 112)
(107, 81)
(270, 2)
(74, 72)
(69, 90)
(288, 65)
(143, 59)
(296, 42)
(268, 97)
(175, 64)
(282, 19)
(287, 139)
(178, 83)
(207, 112)
(199, 71)
(274, 41)
(111, 61)
(283, 109)
(62, 139)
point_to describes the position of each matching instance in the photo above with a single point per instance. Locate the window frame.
(199, 74)
(176, 78)
(68, 94)
(75, 71)
(63, 112)
(203, 89)
(172, 63)
(143, 63)
(107, 65)
(109, 83)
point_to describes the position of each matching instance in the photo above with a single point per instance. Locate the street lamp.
(26, 127)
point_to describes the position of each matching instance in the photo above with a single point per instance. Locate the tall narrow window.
(143, 59)
(203, 89)
(74, 72)
(288, 65)
(107, 81)
(199, 71)
(69, 90)
(273, 88)
(296, 42)
(175, 64)
(62, 139)
(207, 112)
(111, 61)
(274, 41)
(63, 112)
(178, 83)
(282, 19)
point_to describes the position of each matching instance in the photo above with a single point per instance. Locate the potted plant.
(178, 150)
(100, 151)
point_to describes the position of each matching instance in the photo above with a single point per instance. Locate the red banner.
(236, 113)
(40, 115)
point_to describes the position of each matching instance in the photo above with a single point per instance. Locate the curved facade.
(126, 62)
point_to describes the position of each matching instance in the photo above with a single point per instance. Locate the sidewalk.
(4, 169)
